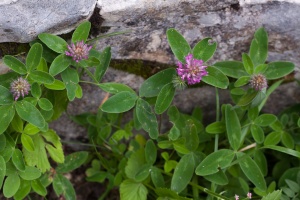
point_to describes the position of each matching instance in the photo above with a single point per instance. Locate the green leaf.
(247, 62)
(62, 186)
(233, 127)
(183, 173)
(36, 91)
(81, 33)
(278, 69)
(38, 157)
(2, 170)
(6, 97)
(27, 142)
(247, 98)
(287, 140)
(120, 102)
(211, 164)
(273, 138)
(134, 163)
(115, 88)
(17, 159)
(30, 113)
(191, 136)
(174, 133)
(45, 104)
(259, 47)
(2, 142)
(275, 195)
(265, 120)
(72, 161)
(132, 190)
(52, 138)
(11, 185)
(261, 161)
(164, 98)
(56, 85)
(157, 178)
(218, 178)
(99, 177)
(293, 185)
(56, 153)
(283, 150)
(178, 44)
(243, 80)
(71, 79)
(7, 115)
(270, 90)
(257, 133)
(15, 64)
(9, 147)
(30, 173)
(216, 128)
(104, 59)
(143, 173)
(153, 85)
(260, 69)
(23, 191)
(54, 42)
(216, 78)
(150, 152)
(31, 129)
(34, 56)
(252, 171)
(147, 118)
(41, 77)
(170, 165)
(204, 50)
(38, 187)
(253, 113)
(234, 69)
(59, 64)
(167, 194)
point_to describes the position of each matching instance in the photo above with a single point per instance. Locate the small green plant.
(242, 155)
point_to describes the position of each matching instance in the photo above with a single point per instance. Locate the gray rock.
(22, 20)
(230, 23)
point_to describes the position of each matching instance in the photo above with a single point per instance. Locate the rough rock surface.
(22, 20)
(231, 23)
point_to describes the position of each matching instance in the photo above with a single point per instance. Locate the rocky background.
(231, 23)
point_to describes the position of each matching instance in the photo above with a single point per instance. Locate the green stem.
(207, 191)
(217, 118)
(88, 82)
(203, 189)
(91, 75)
(195, 189)
(213, 186)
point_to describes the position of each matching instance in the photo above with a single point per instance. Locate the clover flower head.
(258, 82)
(19, 87)
(249, 195)
(192, 71)
(78, 51)
(236, 197)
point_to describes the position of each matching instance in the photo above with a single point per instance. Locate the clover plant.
(244, 154)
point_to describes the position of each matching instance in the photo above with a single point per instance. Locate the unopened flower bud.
(19, 87)
(258, 82)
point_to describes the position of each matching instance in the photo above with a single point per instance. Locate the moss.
(12, 48)
(142, 68)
